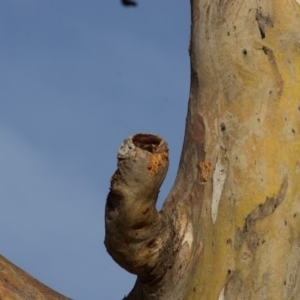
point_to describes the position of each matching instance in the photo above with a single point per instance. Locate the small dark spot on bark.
(223, 127)
(236, 157)
(285, 118)
(145, 211)
(245, 52)
(266, 50)
(263, 241)
(284, 283)
(295, 215)
(228, 272)
(285, 222)
(293, 130)
(258, 119)
(299, 107)
(229, 241)
(212, 244)
(194, 289)
(228, 33)
(270, 92)
(261, 179)
(152, 244)
(234, 27)
(262, 21)
(262, 32)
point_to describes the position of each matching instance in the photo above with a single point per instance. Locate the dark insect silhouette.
(129, 3)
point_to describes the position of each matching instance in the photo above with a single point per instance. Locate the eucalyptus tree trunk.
(230, 226)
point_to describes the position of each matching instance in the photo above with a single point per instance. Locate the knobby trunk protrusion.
(138, 237)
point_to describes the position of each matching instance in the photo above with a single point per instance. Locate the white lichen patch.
(188, 236)
(219, 178)
(126, 148)
(298, 1)
(222, 295)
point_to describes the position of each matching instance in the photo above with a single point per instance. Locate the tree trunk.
(230, 227)
(15, 284)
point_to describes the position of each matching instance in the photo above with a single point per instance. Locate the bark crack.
(274, 67)
(262, 22)
(260, 212)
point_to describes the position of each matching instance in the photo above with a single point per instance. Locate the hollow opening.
(148, 142)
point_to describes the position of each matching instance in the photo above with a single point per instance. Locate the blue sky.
(77, 77)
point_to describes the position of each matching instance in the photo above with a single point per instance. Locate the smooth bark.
(230, 226)
(15, 284)
(234, 211)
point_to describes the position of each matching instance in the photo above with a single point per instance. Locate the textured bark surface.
(230, 227)
(233, 214)
(15, 284)
(137, 236)
(246, 55)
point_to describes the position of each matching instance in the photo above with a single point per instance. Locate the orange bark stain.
(155, 161)
(205, 168)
